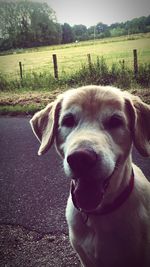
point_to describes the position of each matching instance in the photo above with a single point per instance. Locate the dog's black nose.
(82, 160)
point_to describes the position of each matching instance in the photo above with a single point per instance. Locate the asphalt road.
(33, 189)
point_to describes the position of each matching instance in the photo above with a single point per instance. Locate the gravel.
(21, 247)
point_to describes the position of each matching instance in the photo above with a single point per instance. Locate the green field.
(71, 57)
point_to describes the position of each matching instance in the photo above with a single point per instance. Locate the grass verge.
(18, 110)
(24, 102)
(27, 103)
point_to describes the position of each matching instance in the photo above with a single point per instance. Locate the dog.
(108, 209)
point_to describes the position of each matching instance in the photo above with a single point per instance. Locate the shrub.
(143, 76)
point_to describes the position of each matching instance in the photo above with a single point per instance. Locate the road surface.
(33, 195)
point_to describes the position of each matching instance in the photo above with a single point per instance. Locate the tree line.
(24, 23)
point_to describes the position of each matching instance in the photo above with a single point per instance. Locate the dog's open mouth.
(87, 196)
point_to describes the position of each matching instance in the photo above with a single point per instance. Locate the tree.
(44, 30)
(25, 23)
(8, 23)
(101, 28)
(80, 32)
(67, 34)
(118, 31)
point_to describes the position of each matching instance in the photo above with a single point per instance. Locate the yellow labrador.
(108, 210)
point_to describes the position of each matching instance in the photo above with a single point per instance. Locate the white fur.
(122, 237)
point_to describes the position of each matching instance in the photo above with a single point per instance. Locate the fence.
(89, 61)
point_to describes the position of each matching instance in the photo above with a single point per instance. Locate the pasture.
(72, 56)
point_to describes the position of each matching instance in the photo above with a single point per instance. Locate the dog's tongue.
(87, 195)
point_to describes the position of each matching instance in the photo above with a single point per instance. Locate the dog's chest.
(98, 243)
(101, 244)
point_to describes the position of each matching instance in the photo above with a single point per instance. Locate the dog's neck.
(118, 201)
(119, 181)
(119, 190)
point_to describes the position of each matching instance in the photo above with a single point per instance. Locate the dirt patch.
(27, 98)
(30, 102)
(144, 94)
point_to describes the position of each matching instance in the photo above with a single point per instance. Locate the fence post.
(55, 66)
(20, 67)
(135, 62)
(89, 62)
(123, 64)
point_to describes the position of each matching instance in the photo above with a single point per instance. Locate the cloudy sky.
(90, 12)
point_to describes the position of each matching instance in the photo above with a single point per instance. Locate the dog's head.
(93, 128)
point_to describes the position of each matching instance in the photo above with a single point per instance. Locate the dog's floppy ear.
(44, 124)
(140, 120)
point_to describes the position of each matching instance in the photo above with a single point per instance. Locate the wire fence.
(57, 64)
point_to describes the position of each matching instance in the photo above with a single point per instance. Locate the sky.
(90, 12)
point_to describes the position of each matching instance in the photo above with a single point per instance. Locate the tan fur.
(121, 238)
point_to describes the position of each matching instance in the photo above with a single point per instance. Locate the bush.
(143, 76)
(99, 73)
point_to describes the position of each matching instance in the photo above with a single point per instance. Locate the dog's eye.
(68, 121)
(114, 122)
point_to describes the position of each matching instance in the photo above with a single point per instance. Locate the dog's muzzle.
(87, 190)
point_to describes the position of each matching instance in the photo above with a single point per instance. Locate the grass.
(79, 44)
(71, 57)
(38, 86)
(18, 110)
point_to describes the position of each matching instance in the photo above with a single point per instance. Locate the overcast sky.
(90, 12)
